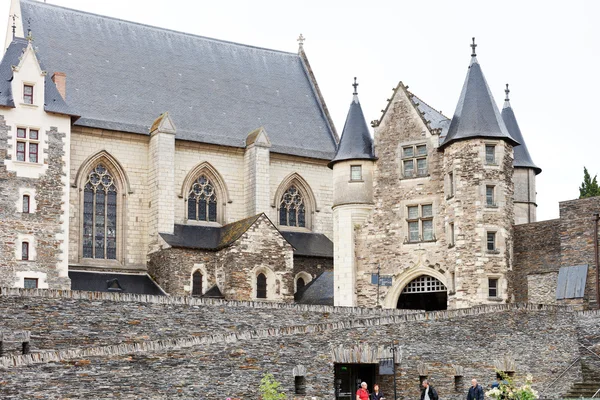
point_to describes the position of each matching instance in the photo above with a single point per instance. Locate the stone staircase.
(590, 384)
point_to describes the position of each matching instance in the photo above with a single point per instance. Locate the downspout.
(597, 259)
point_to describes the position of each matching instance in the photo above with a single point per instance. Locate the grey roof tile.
(53, 101)
(436, 119)
(99, 282)
(476, 114)
(319, 291)
(309, 244)
(122, 75)
(356, 142)
(522, 157)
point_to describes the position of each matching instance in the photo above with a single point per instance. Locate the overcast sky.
(549, 52)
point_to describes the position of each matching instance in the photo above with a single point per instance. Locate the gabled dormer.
(28, 81)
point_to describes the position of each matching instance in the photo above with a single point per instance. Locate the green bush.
(269, 388)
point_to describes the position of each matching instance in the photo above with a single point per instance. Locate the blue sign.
(384, 280)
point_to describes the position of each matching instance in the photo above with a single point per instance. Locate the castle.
(143, 160)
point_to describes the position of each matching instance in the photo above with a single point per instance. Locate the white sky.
(548, 51)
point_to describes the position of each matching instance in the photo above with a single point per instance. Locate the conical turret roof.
(356, 142)
(522, 156)
(476, 115)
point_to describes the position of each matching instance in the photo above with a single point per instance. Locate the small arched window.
(202, 200)
(100, 215)
(292, 210)
(26, 204)
(300, 284)
(197, 284)
(261, 286)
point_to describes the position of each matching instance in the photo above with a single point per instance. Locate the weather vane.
(473, 54)
(355, 84)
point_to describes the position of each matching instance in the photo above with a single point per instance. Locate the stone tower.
(478, 168)
(525, 169)
(352, 198)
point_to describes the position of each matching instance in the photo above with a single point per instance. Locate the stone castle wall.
(42, 228)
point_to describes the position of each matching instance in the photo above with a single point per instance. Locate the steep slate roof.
(319, 291)
(476, 114)
(521, 154)
(99, 282)
(121, 75)
(436, 119)
(53, 101)
(309, 244)
(356, 142)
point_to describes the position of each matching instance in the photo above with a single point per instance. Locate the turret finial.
(507, 91)
(29, 36)
(355, 84)
(473, 54)
(301, 40)
(14, 25)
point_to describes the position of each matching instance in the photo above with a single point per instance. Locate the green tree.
(589, 187)
(269, 388)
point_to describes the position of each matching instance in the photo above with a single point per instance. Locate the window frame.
(490, 161)
(451, 187)
(304, 199)
(420, 221)
(413, 158)
(451, 233)
(26, 201)
(25, 251)
(28, 144)
(30, 96)
(490, 203)
(194, 287)
(354, 168)
(260, 293)
(209, 204)
(494, 241)
(36, 280)
(496, 287)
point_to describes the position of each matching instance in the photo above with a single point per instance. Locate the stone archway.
(425, 292)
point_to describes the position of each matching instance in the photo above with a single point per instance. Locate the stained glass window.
(202, 200)
(100, 215)
(292, 211)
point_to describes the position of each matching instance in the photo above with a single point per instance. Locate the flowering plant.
(508, 390)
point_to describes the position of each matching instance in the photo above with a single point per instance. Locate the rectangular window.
(33, 152)
(414, 157)
(450, 184)
(33, 134)
(356, 172)
(420, 223)
(21, 133)
(490, 154)
(491, 241)
(26, 204)
(30, 283)
(28, 94)
(451, 238)
(489, 196)
(21, 151)
(25, 251)
(493, 287)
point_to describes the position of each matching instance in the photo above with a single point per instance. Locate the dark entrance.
(348, 378)
(424, 293)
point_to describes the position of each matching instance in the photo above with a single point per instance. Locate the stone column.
(161, 177)
(257, 172)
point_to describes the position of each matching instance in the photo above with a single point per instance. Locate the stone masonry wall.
(577, 240)
(382, 241)
(536, 252)
(42, 228)
(539, 341)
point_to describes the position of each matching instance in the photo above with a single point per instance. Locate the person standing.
(362, 393)
(475, 391)
(428, 392)
(376, 395)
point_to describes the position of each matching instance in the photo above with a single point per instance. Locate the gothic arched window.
(202, 200)
(292, 210)
(261, 286)
(197, 284)
(100, 215)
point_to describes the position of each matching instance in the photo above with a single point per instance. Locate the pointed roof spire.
(356, 142)
(476, 115)
(521, 154)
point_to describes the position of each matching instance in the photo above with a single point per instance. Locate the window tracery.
(292, 209)
(100, 215)
(202, 200)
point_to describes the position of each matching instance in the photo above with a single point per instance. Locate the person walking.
(475, 391)
(376, 395)
(428, 392)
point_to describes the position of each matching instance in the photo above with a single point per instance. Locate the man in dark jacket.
(475, 391)
(428, 392)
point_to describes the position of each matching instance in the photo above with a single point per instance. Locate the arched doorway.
(424, 293)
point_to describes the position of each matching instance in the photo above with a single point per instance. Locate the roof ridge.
(39, 3)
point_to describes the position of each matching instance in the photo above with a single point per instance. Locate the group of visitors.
(427, 393)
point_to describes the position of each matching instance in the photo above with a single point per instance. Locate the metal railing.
(569, 367)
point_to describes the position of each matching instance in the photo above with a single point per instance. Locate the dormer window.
(28, 94)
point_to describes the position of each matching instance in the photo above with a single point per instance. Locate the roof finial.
(473, 54)
(507, 91)
(355, 84)
(14, 25)
(29, 37)
(301, 40)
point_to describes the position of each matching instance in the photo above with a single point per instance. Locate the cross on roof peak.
(14, 25)
(473, 54)
(507, 91)
(355, 84)
(301, 40)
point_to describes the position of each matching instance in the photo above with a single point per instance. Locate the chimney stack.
(60, 80)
